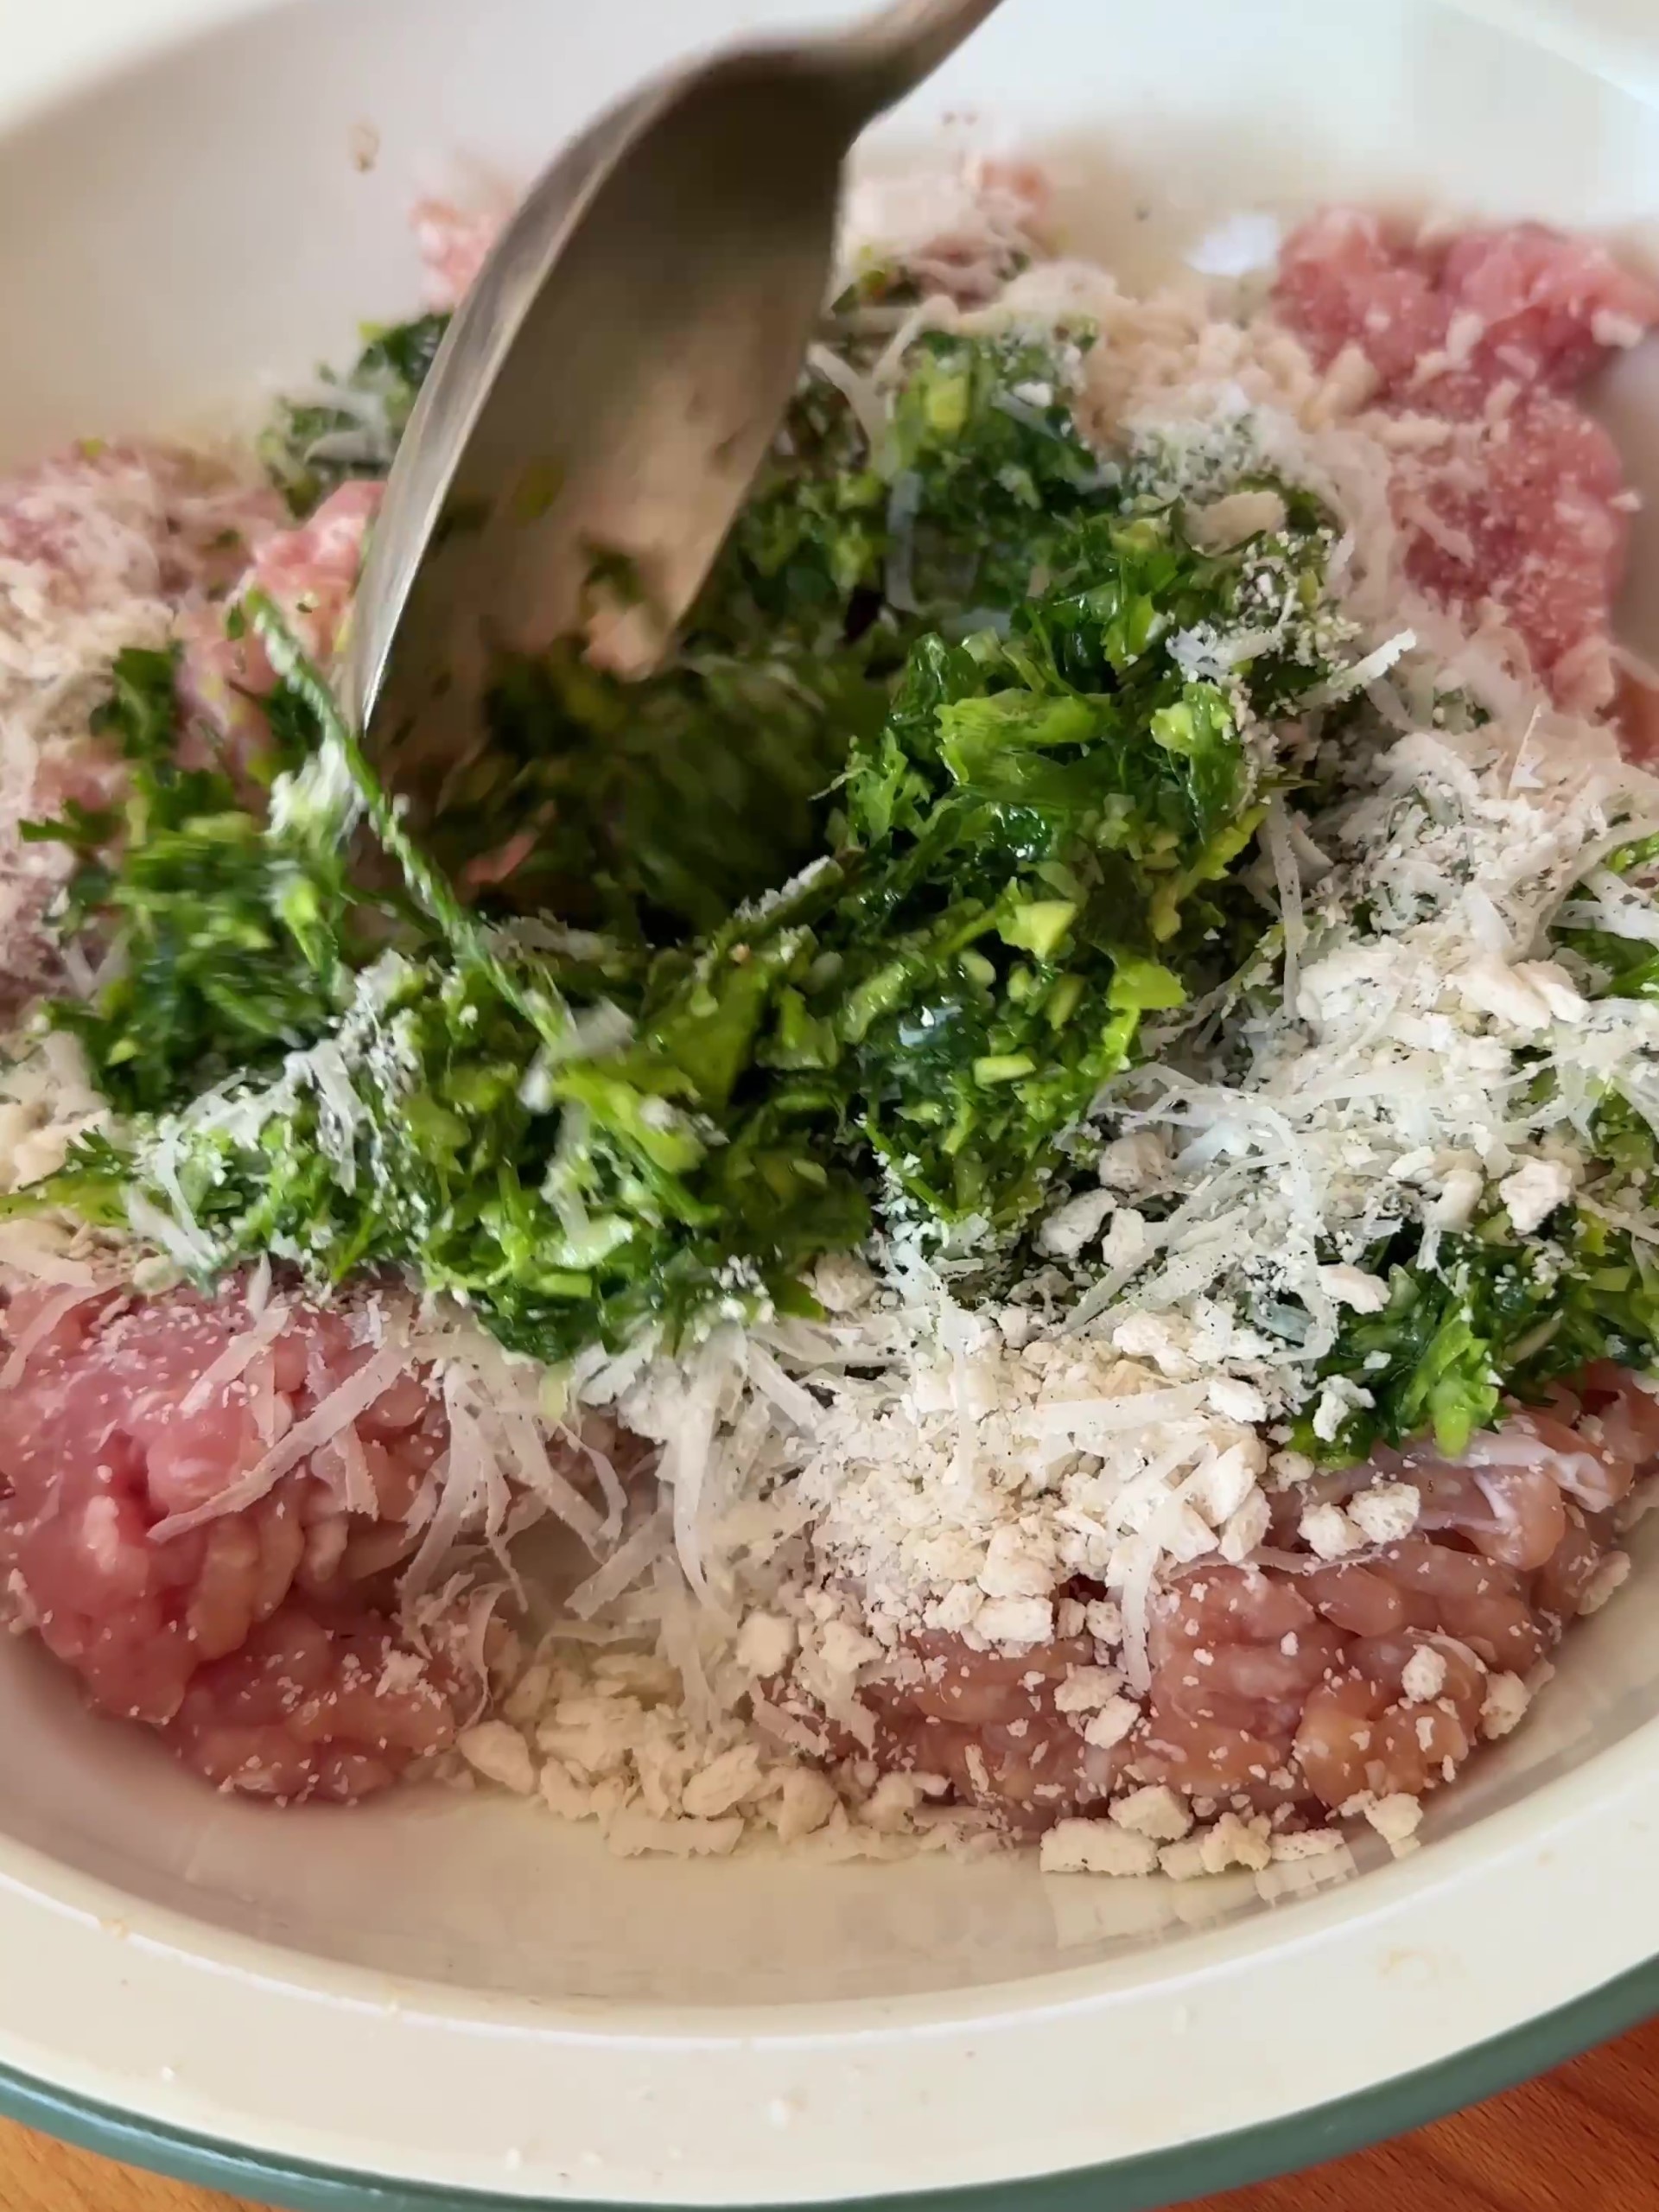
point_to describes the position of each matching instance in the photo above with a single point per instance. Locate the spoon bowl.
(613, 381)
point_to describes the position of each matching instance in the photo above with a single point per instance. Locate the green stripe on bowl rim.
(1154, 2178)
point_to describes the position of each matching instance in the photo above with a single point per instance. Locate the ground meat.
(1519, 496)
(453, 242)
(262, 1643)
(310, 573)
(1295, 1686)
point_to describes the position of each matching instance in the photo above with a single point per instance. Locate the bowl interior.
(173, 244)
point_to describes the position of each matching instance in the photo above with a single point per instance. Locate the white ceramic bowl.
(445, 2003)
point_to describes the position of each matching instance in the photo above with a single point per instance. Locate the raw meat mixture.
(265, 1645)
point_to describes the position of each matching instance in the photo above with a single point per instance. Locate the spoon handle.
(908, 40)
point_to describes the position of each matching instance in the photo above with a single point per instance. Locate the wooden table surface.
(1586, 2137)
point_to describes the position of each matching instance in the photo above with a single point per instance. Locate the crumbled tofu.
(1156, 1811)
(1307, 1843)
(1236, 1399)
(632, 1835)
(1086, 1689)
(805, 1802)
(1246, 1529)
(843, 1650)
(1235, 516)
(1233, 1842)
(1127, 1241)
(1338, 1397)
(1112, 1723)
(842, 1283)
(1532, 1193)
(1096, 1847)
(1131, 1163)
(1611, 1575)
(1459, 1194)
(1015, 1566)
(957, 1608)
(1504, 1706)
(1183, 1861)
(891, 1804)
(1072, 1226)
(1103, 1620)
(1327, 1530)
(501, 1754)
(1396, 1820)
(723, 1784)
(1229, 1481)
(1386, 1512)
(1149, 1336)
(1019, 1622)
(1424, 1675)
(766, 1645)
(1353, 1288)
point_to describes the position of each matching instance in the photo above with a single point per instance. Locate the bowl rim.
(1141, 2183)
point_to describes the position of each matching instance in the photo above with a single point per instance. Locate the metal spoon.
(613, 381)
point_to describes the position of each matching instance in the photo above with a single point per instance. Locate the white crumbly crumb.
(1327, 1530)
(1459, 1194)
(766, 1645)
(1086, 1689)
(1246, 1529)
(1534, 1191)
(894, 1799)
(1236, 1400)
(1183, 1861)
(632, 1835)
(957, 1608)
(501, 1754)
(1156, 1811)
(1611, 1575)
(1127, 1241)
(723, 1784)
(842, 1283)
(1134, 1163)
(1307, 1843)
(1386, 1512)
(1019, 1622)
(805, 1801)
(1396, 1820)
(1230, 520)
(1112, 1723)
(1065, 1232)
(1353, 1288)
(1103, 1620)
(1424, 1674)
(1234, 1842)
(1096, 1847)
(1017, 1566)
(1504, 1706)
(1339, 1396)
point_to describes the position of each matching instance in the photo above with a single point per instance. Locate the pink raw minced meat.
(453, 242)
(262, 1642)
(310, 573)
(1521, 499)
(1279, 1688)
